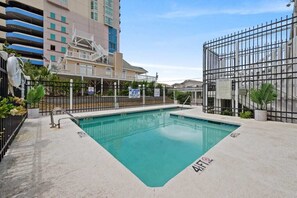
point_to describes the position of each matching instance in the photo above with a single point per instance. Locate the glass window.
(53, 26)
(63, 49)
(83, 69)
(108, 71)
(89, 70)
(108, 21)
(63, 29)
(94, 10)
(53, 47)
(52, 15)
(53, 58)
(63, 39)
(63, 19)
(53, 37)
(124, 74)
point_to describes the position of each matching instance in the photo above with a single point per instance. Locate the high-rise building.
(78, 38)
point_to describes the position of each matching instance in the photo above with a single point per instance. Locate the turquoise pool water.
(154, 145)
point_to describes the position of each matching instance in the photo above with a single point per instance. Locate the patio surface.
(44, 162)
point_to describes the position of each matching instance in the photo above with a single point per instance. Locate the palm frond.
(263, 96)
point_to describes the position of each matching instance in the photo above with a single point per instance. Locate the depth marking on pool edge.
(202, 164)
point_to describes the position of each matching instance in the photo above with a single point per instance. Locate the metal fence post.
(71, 95)
(115, 95)
(164, 101)
(143, 94)
(174, 97)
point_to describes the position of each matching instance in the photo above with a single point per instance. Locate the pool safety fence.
(10, 125)
(77, 97)
(235, 63)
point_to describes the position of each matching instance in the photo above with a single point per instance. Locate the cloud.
(260, 8)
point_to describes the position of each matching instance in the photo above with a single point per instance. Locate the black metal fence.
(10, 125)
(266, 53)
(58, 95)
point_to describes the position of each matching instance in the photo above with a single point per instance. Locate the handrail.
(53, 125)
(185, 101)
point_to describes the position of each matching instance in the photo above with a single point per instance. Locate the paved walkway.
(44, 162)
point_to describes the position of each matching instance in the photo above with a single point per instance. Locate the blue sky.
(166, 36)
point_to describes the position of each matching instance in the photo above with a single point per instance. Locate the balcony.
(17, 13)
(38, 62)
(17, 25)
(26, 49)
(96, 72)
(93, 57)
(26, 39)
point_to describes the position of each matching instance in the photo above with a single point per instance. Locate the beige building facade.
(76, 38)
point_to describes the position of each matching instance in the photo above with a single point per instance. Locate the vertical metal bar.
(71, 95)
(115, 95)
(164, 99)
(143, 94)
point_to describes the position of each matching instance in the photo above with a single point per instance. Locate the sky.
(167, 36)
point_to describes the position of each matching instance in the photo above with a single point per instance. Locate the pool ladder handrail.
(53, 124)
(185, 101)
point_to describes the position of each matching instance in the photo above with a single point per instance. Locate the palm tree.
(263, 96)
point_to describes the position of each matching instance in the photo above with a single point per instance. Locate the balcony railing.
(94, 57)
(92, 72)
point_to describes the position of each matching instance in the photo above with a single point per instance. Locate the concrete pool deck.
(44, 162)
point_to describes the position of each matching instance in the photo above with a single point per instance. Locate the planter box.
(261, 115)
(33, 113)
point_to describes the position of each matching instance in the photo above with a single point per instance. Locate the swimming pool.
(154, 145)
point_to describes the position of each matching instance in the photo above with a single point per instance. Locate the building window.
(63, 49)
(108, 21)
(108, 11)
(53, 26)
(53, 47)
(63, 29)
(53, 37)
(63, 19)
(86, 70)
(112, 39)
(63, 39)
(124, 74)
(108, 71)
(53, 58)
(52, 15)
(108, 3)
(94, 10)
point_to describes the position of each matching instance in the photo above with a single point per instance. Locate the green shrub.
(110, 92)
(5, 107)
(264, 95)
(227, 112)
(182, 97)
(246, 114)
(35, 95)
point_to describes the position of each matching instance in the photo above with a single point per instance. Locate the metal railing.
(185, 102)
(71, 117)
(266, 53)
(101, 72)
(103, 98)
